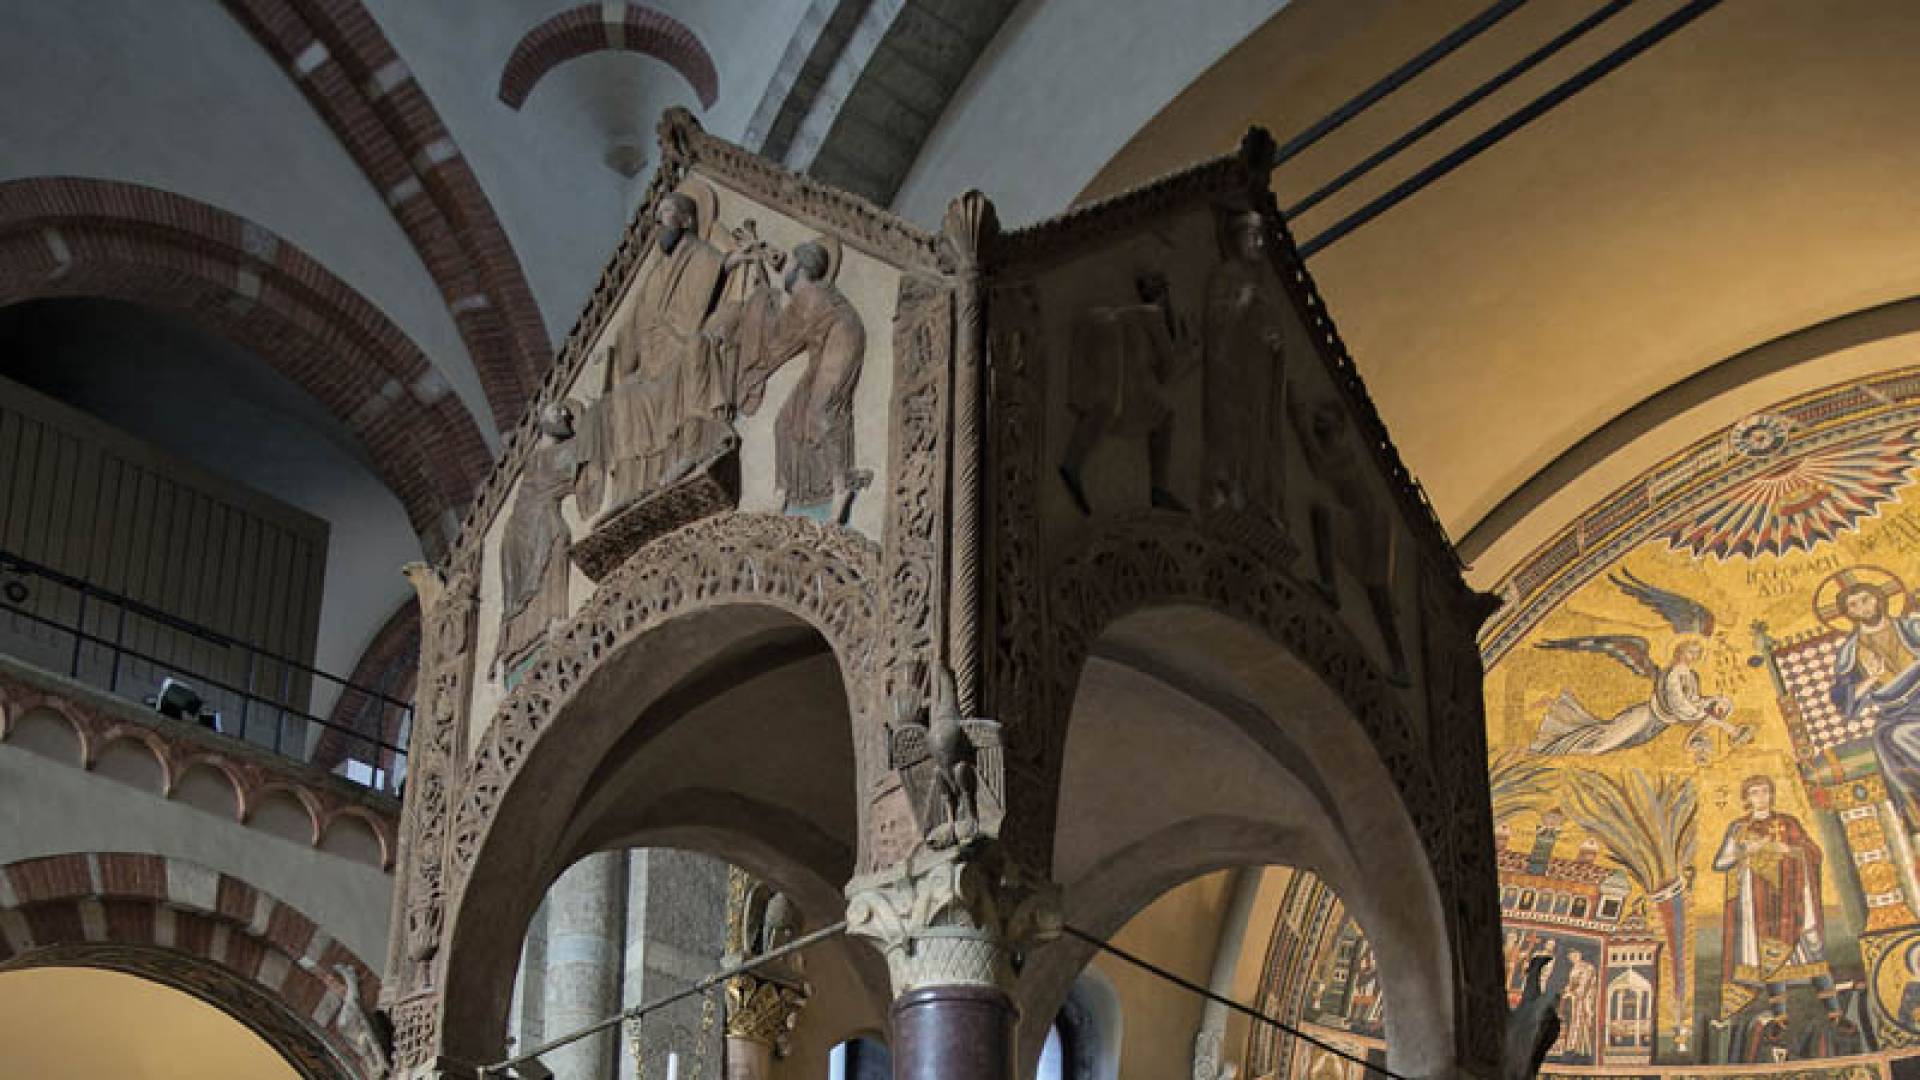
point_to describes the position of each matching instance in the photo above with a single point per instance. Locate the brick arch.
(389, 665)
(336, 53)
(589, 29)
(74, 236)
(254, 957)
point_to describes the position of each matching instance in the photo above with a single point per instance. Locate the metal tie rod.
(1479, 94)
(500, 1068)
(1397, 78)
(1193, 987)
(1520, 118)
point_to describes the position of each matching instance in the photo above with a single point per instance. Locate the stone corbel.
(953, 917)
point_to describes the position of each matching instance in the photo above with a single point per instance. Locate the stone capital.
(764, 1010)
(953, 917)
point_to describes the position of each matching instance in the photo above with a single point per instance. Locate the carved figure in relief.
(952, 766)
(534, 569)
(813, 436)
(664, 407)
(1876, 671)
(1244, 395)
(371, 1039)
(1349, 528)
(1124, 359)
(1775, 922)
(1568, 728)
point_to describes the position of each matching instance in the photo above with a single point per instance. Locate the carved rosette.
(958, 917)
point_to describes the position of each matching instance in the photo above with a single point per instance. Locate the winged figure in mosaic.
(1674, 696)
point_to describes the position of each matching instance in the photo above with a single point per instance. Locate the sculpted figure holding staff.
(664, 406)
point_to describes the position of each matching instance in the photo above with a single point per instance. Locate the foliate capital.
(764, 1010)
(953, 917)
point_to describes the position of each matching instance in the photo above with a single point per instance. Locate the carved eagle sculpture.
(1532, 1027)
(951, 766)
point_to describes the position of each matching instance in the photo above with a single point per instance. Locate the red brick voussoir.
(341, 60)
(259, 960)
(75, 236)
(590, 28)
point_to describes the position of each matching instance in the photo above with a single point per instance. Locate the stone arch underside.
(1252, 646)
(620, 27)
(336, 53)
(204, 933)
(659, 622)
(73, 236)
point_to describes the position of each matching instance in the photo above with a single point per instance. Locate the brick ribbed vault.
(388, 666)
(338, 56)
(202, 932)
(592, 28)
(68, 236)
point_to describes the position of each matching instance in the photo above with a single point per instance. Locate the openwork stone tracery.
(961, 604)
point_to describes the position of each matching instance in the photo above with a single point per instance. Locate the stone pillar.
(676, 905)
(950, 923)
(585, 920)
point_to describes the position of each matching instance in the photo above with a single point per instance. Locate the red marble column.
(953, 1033)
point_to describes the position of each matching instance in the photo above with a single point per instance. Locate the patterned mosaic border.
(1654, 501)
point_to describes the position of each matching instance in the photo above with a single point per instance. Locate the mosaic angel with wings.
(1570, 729)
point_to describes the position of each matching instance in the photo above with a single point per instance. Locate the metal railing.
(59, 622)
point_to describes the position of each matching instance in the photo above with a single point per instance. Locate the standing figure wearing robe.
(813, 436)
(663, 399)
(1878, 668)
(1774, 926)
(535, 543)
(1123, 363)
(1242, 396)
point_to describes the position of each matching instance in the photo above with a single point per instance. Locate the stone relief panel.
(735, 370)
(1187, 383)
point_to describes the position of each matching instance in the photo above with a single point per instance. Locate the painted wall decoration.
(1703, 700)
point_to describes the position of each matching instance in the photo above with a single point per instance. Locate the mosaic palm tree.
(1650, 827)
(1519, 782)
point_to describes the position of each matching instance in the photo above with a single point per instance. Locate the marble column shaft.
(581, 984)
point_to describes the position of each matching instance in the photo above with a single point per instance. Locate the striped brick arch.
(388, 666)
(201, 932)
(337, 55)
(608, 27)
(71, 236)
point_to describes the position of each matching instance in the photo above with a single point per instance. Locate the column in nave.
(585, 930)
(676, 920)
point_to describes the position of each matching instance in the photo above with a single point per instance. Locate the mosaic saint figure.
(1773, 927)
(1242, 396)
(534, 545)
(663, 392)
(1579, 1008)
(1877, 670)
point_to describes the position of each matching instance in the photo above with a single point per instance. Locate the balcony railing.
(115, 643)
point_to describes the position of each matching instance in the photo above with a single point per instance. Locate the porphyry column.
(582, 980)
(950, 923)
